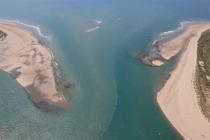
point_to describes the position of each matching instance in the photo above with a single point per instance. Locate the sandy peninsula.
(31, 64)
(161, 51)
(177, 98)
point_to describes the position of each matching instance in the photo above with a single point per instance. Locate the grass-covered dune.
(203, 72)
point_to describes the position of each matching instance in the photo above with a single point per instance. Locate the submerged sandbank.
(31, 64)
(177, 98)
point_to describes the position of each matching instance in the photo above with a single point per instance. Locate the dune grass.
(203, 72)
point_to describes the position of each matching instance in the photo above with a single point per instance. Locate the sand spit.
(31, 64)
(160, 51)
(178, 99)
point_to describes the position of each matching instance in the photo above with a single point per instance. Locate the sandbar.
(30, 63)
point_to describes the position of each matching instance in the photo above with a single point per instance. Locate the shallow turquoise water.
(114, 97)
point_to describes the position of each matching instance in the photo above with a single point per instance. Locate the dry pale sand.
(170, 48)
(31, 64)
(177, 99)
(157, 63)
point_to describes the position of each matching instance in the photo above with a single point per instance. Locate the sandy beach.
(177, 98)
(31, 64)
(161, 51)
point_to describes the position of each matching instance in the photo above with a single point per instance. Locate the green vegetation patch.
(203, 72)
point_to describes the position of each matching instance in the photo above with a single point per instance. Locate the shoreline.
(32, 65)
(26, 26)
(168, 44)
(176, 131)
(177, 98)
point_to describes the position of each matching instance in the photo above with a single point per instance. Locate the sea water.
(95, 44)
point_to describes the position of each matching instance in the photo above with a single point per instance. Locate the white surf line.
(37, 28)
(92, 29)
(182, 25)
(98, 21)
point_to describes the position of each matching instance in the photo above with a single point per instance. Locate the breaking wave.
(33, 27)
(152, 52)
(92, 29)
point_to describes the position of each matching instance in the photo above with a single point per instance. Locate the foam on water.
(180, 28)
(45, 38)
(153, 51)
(165, 36)
(33, 27)
(98, 21)
(182, 25)
(92, 29)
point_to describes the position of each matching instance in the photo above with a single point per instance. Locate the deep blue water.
(114, 96)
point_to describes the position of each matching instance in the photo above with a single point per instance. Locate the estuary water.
(95, 44)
